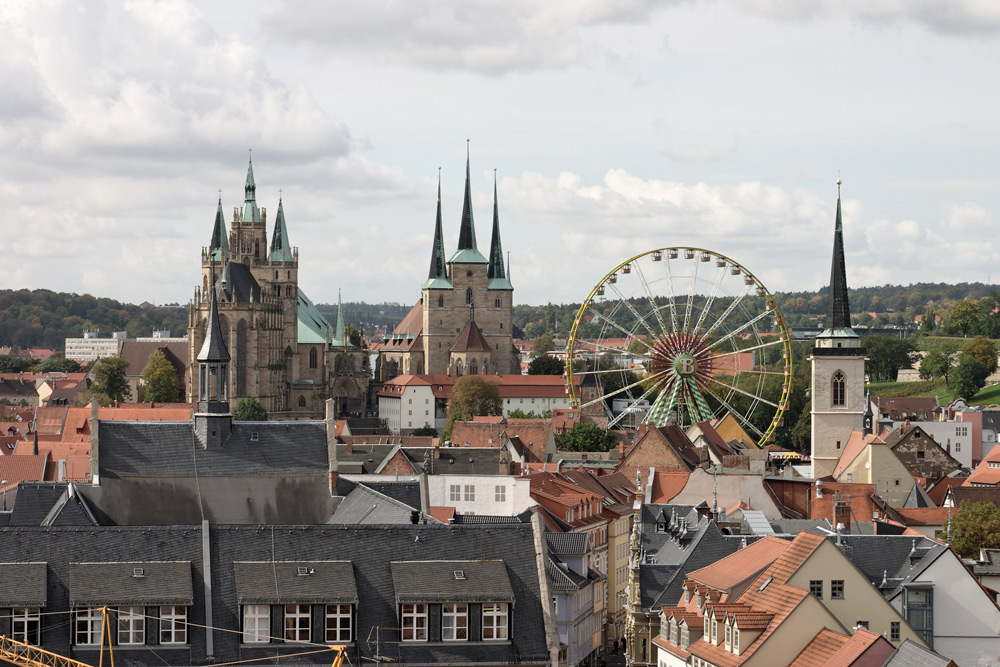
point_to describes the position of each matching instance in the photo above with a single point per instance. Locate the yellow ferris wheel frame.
(751, 281)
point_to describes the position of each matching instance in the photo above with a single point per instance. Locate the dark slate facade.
(278, 565)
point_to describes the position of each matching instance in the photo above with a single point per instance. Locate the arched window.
(486, 367)
(498, 302)
(288, 290)
(468, 296)
(839, 396)
(440, 300)
(473, 367)
(312, 358)
(458, 368)
(241, 358)
(302, 401)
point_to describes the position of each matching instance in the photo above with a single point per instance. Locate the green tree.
(968, 376)
(250, 410)
(518, 413)
(57, 365)
(975, 527)
(936, 364)
(542, 345)
(426, 430)
(544, 364)
(9, 364)
(84, 397)
(963, 318)
(353, 335)
(586, 437)
(927, 322)
(887, 356)
(474, 396)
(109, 379)
(801, 435)
(985, 352)
(159, 379)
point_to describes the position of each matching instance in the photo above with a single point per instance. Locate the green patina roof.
(438, 283)
(250, 211)
(840, 332)
(313, 327)
(281, 249)
(499, 283)
(467, 256)
(219, 245)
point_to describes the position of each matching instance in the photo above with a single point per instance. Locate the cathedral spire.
(219, 247)
(838, 310)
(496, 268)
(250, 211)
(339, 336)
(213, 350)
(281, 250)
(437, 269)
(467, 232)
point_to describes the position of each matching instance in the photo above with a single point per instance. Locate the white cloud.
(946, 17)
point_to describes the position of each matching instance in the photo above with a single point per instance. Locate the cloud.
(953, 17)
(491, 37)
(968, 218)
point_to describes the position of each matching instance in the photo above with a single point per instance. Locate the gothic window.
(458, 368)
(302, 401)
(420, 368)
(486, 367)
(205, 283)
(473, 367)
(256, 248)
(468, 296)
(312, 358)
(241, 358)
(440, 300)
(839, 397)
(498, 302)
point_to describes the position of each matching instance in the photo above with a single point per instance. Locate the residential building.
(577, 597)
(91, 347)
(920, 453)
(867, 459)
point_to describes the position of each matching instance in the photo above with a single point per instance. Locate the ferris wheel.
(681, 335)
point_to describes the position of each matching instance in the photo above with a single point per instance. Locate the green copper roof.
(467, 256)
(437, 269)
(219, 246)
(840, 332)
(313, 327)
(496, 269)
(438, 283)
(250, 211)
(499, 283)
(467, 232)
(281, 249)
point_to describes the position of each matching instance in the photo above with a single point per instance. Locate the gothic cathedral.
(284, 351)
(462, 322)
(838, 370)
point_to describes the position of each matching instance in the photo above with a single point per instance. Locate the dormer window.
(729, 637)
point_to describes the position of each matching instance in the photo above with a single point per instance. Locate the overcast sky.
(615, 127)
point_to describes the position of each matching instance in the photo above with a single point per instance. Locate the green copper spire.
(437, 276)
(467, 252)
(338, 338)
(281, 249)
(250, 211)
(219, 247)
(495, 272)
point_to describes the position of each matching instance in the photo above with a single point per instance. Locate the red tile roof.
(471, 339)
(27, 468)
(737, 567)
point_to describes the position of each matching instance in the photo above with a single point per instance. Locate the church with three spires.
(462, 324)
(282, 350)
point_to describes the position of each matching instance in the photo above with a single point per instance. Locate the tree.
(250, 410)
(159, 379)
(9, 364)
(84, 397)
(985, 352)
(426, 430)
(936, 364)
(353, 335)
(801, 435)
(542, 345)
(57, 365)
(474, 396)
(887, 356)
(518, 413)
(927, 322)
(968, 377)
(963, 318)
(110, 380)
(976, 526)
(586, 437)
(545, 365)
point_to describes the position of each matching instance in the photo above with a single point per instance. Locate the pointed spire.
(250, 211)
(214, 348)
(281, 249)
(437, 269)
(219, 247)
(338, 337)
(467, 232)
(496, 268)
(838, 310)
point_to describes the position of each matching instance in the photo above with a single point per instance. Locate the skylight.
(764, 585)
(459, 574)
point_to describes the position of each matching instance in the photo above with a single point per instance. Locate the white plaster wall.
(731, 489)
(829, 423)
(388, 410)
(416, 407)
(518, 494)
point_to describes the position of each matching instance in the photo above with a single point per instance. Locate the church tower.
(838, 369)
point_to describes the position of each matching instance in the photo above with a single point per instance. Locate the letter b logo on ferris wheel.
(686, 365)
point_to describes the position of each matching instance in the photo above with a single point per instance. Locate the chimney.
(95, 444)
(331, 446)
(819, 488)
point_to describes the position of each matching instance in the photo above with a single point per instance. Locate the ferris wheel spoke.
(621, 415)
(734, 412)
(776, 341)
(740, 329)
(671, 296)
(649, 297)
(745, 393)
(635, 313)
(690, 296)
(637, 383)
(725, 315)
(710, 299)
(603, 371)
(628, 334)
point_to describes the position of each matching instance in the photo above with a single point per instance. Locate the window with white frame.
(173, 624)
(338, 623)
(495, 620)
(501, 493)
(470, 493)
(455, 622)
(26, 625)
(88, 625)
(729, 637)
(297, 619)
(455, 493)
(256, 623)
(131, 626)
(414, 622)
(736, 640)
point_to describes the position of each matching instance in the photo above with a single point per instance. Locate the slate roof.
(561, 578)
(23, 584)
(568, 544)
(36, 501)
(137, 582)
(365, 505)
(171, 449)
(271, 582)
(240, 285)
(894, 559)
(911, 654)
(451, 581)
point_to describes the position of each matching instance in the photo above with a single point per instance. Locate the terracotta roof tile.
(471, 339)
(736, 567)
(667, 485)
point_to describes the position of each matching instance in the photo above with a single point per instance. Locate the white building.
(492, 495)
(954, 437)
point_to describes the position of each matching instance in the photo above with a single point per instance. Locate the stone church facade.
(462, 324)
(284, 351)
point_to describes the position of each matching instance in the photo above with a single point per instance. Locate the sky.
(615, 127)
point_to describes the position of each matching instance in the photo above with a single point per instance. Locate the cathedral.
(462, 322)
(283, 351)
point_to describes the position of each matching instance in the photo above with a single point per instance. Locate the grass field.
(930, 388)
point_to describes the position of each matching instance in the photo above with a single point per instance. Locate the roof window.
(459, 575)
(254, 436)
(138, 572)
(303, 571)
(764, 585)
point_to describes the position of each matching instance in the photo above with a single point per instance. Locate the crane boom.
(26, 655)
